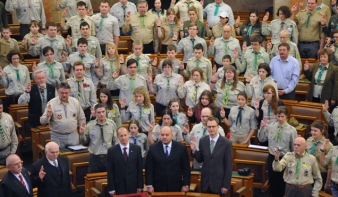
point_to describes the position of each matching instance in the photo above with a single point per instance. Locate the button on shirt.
(58, 75)
(27, 10)
(188, 89)
(87, 89)
(74, 23)
(144, 63)
(310, 142)
(185, 45)
(118, 11)
(285, 73)
(248, 62)
(28, 37)
(166, 37)
(248, 120)
(276, 26)
(232, 95)
(10, 81)
(218, 50)
(99, 141)
(254, 89)
(110, 28)
(93, 49)
(176, 130)
(144, 117)
(314, 31)
(166, 87)
(213, 19)
(72, 6)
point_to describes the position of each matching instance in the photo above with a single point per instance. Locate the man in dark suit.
(167, 165)
(124, 166)
(215, 153)
(37, 96)
(16, 183)
(56, 180)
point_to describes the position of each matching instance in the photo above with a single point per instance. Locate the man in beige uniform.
(64, 114)
(301, 171)
(182, 7)
(8, 138)
(311, 36)
(143, 27)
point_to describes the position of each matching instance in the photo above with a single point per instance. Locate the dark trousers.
(97, 163)
(316, 100)
(164, 49)
(87, 114)
(8, 101)
(208, 191)
(159, 109)
(148, 48)
(24, 29)
(103, 49)
(297, 192)
(276, 181)
(308, 49)
(289, 96)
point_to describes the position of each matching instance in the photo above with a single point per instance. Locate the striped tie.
(78, 90)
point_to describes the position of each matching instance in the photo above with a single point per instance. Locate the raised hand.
(323, 20)
(266, 17)
(256, 103)
(49, 111)
(326, 106)
(326, 143)
(34, 67)
(154, 63)
(202, 2)
(151, 126)
(235, 53)
(89, 11)
(82, 128)
(175, 36)
(128, 16)
(63, 57)
(181, 81)
(186, 129)
(301, 4)
(244, 46)
(42, 173)
(65, 12)
(237, 21)
(123, 103)
(269, 45)
(181, 24)
(248, 77)
(116, 74)
(96, 62)
(121, 58)
(181, 65)
(264, 122)
(222, 113)
(28, 87)
(212, 41)
(306, 65)
(69, 41)
(34, 40)
(150, 78)
(92, 111)
(23, 42)
(190, 112)
(276, 153)
(294, 8)
(193, 143)
(158, 22)
(207, 26)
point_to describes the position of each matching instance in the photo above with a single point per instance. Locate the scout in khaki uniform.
(167, 29)
(82, 88)
(199, 61)
(182, 7)
(94, 47)
(301, 174)
(143, 61)
(311, 36)
(224, 45)
(72, 6)
(324, 9)
(279, 135)
(6, 36)
(4, 49)
(34, 27)
(75, 21)
(252, 58)
(64, 114)
(277, 25)
(143, 27)
(100, 134)
(217, 29)
(127, 83)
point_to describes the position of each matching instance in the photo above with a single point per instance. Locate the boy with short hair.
(34, 27)
(171, 52)
(6, 36)
(226, 61)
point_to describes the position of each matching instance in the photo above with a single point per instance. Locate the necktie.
(256, 60)
(226, 46)
(212, 145)
(239, 116)
(134, 138)
(132, 81)
(112, 68)
(124, 12)
(101, 22)
(17, 75)
(298, 167)
(55, 163)
(216, 9)
(308, 19)
(140, 111)
(51, 43)
(166, 152)
(197, 63)
(193, 42)
(22, 181)
(188, 3)
(269, 111)
(204, 131)
(322, 69)
(125, 155)
(194, 94)
(249, 30)
(226, 94)
(42, 91)
(51, 70)
(171, 29)
(278, 133)
(102, 137)
(158, 12)
(3, 137)
(175, 117)
(313, 148)
(138, 64)
(282, 25)
(142, 21)
(78, 90)
(82, 57)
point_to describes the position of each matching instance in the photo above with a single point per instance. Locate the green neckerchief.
(51, 69)
(101, 22)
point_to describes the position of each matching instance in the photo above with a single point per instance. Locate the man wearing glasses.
(16, 182)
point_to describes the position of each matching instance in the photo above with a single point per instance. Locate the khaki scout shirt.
(28, 37)
(87, 91)
(330, 158)
(182, 7)
(146, 33)
(188, 91)
(287, 136)
(74, 23)
(143, 115)
(107, 68)
(66, 117)
(322, 8)
(167, 38)
(72, 6)
(310, 142)
(186, 46)
(58, 71)
(217, 31)
(177, 133)
(118, 11)
(114, 115)
(248, 62)
(248, 120)
(10, 81)
(110, 28)
(99, 141)
(204, 64)
(275, 27)
(309, 171)
(13, 44)
(166, 88)
(10, 136)
(232, 97)
(314, 31)
(218, 50)
(123, 83)
(144, 63)
(93, 49)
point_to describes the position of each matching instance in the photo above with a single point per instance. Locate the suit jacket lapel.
(328, 74)
(18, 183)
(27, 178)
(161, 150)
